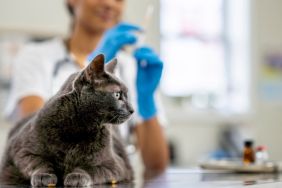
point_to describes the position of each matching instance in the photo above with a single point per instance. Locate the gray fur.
(74, 139)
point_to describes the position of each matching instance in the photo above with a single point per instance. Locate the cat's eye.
(117, 95)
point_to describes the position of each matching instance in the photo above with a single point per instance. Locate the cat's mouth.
(120, 118)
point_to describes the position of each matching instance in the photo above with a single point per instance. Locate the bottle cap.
(261, 148)
(248, 143)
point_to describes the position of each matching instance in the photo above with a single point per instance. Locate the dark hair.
(70, 8)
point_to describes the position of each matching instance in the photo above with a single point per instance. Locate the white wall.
(51, 17)
(266, 36)
(34, 16)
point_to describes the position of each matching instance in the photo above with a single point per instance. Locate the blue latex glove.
(114, 39)
(149, 71)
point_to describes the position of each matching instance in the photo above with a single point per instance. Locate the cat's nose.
(131, 111)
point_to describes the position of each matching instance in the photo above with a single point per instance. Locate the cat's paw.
(43, 179)
(78, 180)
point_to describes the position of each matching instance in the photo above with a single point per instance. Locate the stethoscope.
(68, 58)
(60, 63)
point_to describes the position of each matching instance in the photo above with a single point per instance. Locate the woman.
(41, 69)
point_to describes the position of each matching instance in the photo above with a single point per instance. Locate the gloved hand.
(149, 71)
(114, 39)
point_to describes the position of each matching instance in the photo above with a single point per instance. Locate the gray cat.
(74, 139)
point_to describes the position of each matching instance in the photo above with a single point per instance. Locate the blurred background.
(222, 80)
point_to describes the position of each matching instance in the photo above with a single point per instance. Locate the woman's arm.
(151, 139)
(153, 146)
(28, 105)
(30, 81)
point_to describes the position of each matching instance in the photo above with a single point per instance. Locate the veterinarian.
(41, 68)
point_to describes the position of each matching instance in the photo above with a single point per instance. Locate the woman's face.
(97, 15)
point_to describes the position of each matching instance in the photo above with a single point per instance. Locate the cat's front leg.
(78, 178)
(33, 167)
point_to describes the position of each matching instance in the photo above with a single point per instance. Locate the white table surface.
(196, 178)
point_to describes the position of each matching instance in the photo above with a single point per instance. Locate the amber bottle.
(248, 153)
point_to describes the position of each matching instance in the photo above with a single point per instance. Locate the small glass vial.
(248, 153)
(261, 154)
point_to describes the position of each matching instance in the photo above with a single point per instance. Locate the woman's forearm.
(153, 145)
(29, 105)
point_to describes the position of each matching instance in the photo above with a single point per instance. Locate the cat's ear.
(95, 68)
(111, 66)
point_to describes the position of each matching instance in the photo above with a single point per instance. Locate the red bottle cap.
(261, 148)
